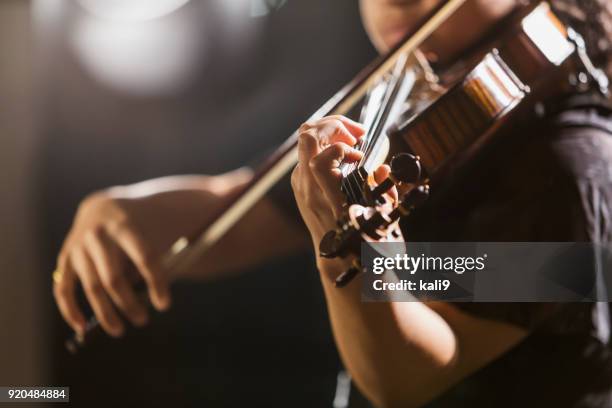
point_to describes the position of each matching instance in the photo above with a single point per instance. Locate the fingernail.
(163, 304)
(158, 303)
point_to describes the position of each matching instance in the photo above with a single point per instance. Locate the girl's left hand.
(316, 180)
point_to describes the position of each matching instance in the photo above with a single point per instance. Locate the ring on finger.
(57, 275)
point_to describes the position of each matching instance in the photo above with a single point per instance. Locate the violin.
(426, 124)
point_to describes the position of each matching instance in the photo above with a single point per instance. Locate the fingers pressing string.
(327, 174)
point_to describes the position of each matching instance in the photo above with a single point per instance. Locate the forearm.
(397, 353)
(192, 199)
(217, 186)
(262, 235)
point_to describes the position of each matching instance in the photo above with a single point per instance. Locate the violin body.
(519, 70)
(447, 116)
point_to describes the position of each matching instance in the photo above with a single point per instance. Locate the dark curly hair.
(592, 19)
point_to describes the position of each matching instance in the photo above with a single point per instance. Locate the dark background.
(92, 103)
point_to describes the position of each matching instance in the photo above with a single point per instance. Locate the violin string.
(348, 188)
(348, 182)
(347, 185)
(372, 136)
(376, 130)
(395, 81)
(382, 116)
(351, 182)
(365, 146)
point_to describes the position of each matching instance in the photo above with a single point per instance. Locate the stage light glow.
(145, 58)
(261, 8)
(131, 10)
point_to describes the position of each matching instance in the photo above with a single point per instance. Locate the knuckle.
(315, 163)
(340, 118)
(93, 234)
(307, 135)
(337, 124)
(116, 226)
(93, 202)
(101, 206)
(337, 149)
(305, 126)
(113, 283)
(95, 289)
(96, 231)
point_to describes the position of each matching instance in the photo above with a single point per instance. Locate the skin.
(399, 354)
(134, 225)
(388, 21)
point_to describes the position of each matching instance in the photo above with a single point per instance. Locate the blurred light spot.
(234, 10)
(46, 9)
(132, 10)
(145, 58)
(260, 8)
(46, 12)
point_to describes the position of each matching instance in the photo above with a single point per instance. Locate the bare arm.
(136, 224)
(405, 354)
(202, 195)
